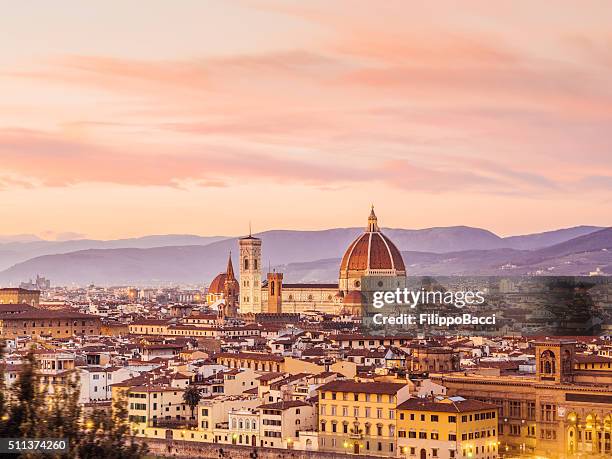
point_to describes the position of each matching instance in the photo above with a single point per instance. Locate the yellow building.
(57, 324)
(359, 417)
(563, 411)
(450, 428)
(253, 360)
(19, 296)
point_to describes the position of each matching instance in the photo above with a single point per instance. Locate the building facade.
(360, 417)
(447, 428)
(19, 296)
(560, 413)
(56, 324)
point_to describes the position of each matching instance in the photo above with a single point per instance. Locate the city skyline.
(297, 116)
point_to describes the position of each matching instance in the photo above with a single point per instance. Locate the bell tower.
(275, 292)
(250, 274)
(230, 291)
(555, 360)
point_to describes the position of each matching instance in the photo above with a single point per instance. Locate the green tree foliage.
(191, 397)
(108, 436)
(34, 409)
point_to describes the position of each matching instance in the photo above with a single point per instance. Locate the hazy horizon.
(74, 236)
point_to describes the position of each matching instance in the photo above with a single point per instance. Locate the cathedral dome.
(372, 253)
(217, 286)
(353, 298)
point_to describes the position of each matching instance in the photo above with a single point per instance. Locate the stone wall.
(189, 450)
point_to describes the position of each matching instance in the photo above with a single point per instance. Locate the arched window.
(272, 288)
(547, 367)
(246, 263)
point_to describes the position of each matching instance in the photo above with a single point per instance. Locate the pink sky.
(128, 118)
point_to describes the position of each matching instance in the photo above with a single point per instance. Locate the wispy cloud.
(455, 104)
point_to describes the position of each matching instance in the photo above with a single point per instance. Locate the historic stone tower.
(250, 274)
(231, 291)
(555, 360)
(275, 292)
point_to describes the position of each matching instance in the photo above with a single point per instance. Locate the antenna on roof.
(250, 228)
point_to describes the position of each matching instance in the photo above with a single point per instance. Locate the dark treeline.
(31, 409)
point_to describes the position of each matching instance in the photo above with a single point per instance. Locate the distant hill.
(314, 256)
(16, 251)
(548, 238)
(19, 238)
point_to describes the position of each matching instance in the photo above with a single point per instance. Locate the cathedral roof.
(353, 297)
(217, 286)
(372, 251)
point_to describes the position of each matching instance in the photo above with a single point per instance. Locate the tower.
(250, 274)
(275, 292)
(231, 291)
(555, 360)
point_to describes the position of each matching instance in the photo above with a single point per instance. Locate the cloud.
(62, 236)
(55, 161)
(416, 105)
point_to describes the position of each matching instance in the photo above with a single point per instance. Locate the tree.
(26, 403)
(192, 397)
(36, 410)
(108, 435)
(3, 401)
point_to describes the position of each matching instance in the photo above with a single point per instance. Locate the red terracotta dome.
(354, 297)
(372, 251)
(217, 286)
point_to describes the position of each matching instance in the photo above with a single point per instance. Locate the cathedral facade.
(370, 254)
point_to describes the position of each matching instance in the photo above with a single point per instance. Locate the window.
(515, 408)
(452, 419)
(548, 412)
(423, 435)
(531, 411)
(434, 418)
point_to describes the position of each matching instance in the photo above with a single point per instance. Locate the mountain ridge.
(293, 250)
